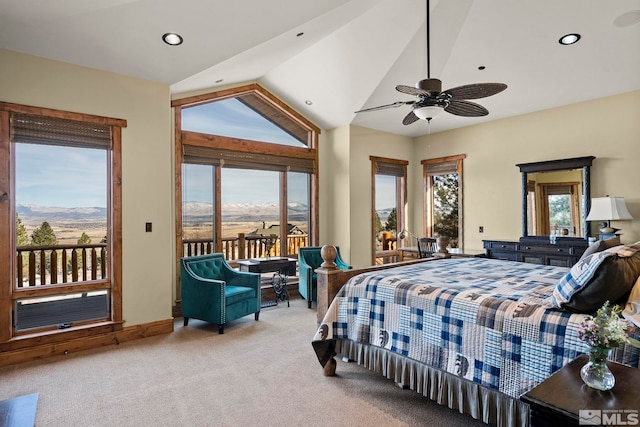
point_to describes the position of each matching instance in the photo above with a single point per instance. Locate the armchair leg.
(221, 329)
(257, 315)
(309, 302)
(186, 321)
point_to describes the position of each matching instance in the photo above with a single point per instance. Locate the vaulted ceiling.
(344, 55)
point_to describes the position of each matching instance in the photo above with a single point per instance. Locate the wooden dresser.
(538, 250)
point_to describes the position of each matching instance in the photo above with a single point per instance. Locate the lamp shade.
(608, 208)
(428, 112)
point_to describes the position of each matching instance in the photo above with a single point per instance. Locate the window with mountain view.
(248, 175)
(62, 240)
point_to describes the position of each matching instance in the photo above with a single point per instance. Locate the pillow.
(631, 310)
(602, 276)
(601, 245)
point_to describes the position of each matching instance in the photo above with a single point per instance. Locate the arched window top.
(248, 113)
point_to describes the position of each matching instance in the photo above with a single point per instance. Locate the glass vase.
(596, 373)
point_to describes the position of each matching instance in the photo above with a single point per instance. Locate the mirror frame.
(557, 165)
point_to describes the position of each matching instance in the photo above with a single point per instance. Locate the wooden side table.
(559, 399)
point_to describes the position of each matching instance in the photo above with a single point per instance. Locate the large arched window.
(246, 173)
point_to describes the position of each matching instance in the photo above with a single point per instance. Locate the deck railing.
(243, 246)
(44, 265)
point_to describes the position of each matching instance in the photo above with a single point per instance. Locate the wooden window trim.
(183, 138)
(8, 294)
(428, 195)
(401, 197)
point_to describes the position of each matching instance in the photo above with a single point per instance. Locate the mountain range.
(192, 211)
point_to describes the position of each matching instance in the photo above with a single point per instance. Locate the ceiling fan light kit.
(431, 100)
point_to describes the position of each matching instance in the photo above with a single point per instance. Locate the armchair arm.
(305, 271)
(243, 278)
(341, 264)
(203, 298)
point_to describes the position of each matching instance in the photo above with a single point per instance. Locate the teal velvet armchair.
(309, 259)
(214, 292)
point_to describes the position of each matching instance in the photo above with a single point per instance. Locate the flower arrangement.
(606, 330)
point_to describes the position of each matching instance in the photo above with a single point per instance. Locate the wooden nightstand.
(559, 399)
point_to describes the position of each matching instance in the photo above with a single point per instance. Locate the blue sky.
(232, 118)
(385, 192)
(71, 177)
(60, 176)
(241, 185)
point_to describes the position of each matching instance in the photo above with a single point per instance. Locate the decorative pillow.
(603, 276)
(631, 310)
(601, 245)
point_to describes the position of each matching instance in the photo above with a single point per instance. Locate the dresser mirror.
(556, 197)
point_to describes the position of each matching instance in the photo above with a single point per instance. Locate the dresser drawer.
(507, 256)
(546, 250)
(502, 246)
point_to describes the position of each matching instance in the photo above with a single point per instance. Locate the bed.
(470, 333)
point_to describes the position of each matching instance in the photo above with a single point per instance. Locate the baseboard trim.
(129, 333)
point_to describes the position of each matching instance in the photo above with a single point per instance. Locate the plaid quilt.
(486, 320)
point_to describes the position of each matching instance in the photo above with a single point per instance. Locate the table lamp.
(607, 209)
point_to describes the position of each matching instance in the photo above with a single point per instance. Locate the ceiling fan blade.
(410, 118)
(410, 90)
(465, 108)
(476, 90)
(384, 107)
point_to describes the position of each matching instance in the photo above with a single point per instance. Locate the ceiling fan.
(431, 100)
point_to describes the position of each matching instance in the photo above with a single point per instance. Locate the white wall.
(147, 186)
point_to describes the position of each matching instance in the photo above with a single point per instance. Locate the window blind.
(32, 129)
(559, 190)
(443, 168)
(236, 159)
(393, 169)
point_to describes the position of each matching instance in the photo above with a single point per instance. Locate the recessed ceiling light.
(172, 39)
(308, 102)
(569, 39)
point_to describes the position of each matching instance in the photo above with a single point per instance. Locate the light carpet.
(256, 373)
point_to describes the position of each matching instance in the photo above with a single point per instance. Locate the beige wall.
(607, 128)
(147, 189)
(345, 184)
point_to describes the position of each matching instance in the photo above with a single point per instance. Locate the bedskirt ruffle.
(467, 397)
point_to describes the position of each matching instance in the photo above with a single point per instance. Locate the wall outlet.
(481, 229)
(147, 227)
